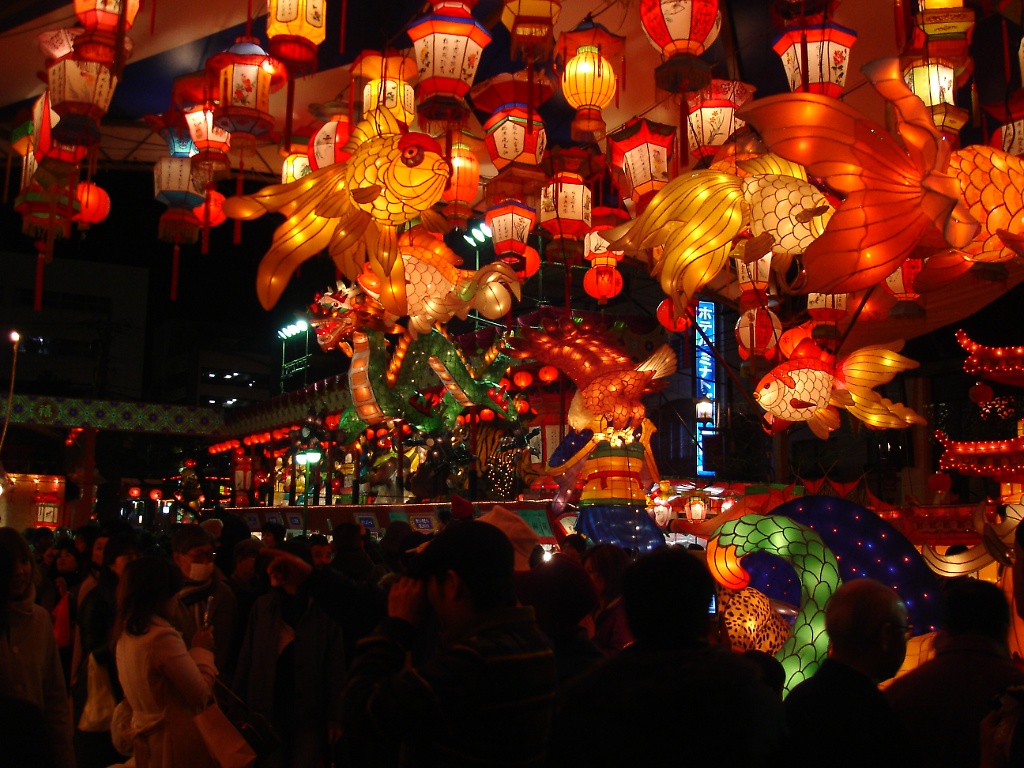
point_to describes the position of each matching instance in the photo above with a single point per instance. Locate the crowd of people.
(465, 648)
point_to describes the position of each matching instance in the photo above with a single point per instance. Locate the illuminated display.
(704, 375)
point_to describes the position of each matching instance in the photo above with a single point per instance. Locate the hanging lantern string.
(853, 319)
(15, 338)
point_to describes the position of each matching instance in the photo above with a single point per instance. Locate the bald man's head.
(867, 626)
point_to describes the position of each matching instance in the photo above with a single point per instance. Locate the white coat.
(166, 685)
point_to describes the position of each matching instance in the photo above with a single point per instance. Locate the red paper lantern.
(327, 146)
(980, 393)
(94, 204)
(602, 283)
(463, 184)
(212, 207)
(486, 414)
(547, 374)
(642, 150)
(156, 494)
(940, 482)
(522, 379)
(682, 30)
(666, 315)
(101, 19)
(511, 223)
(246, 75)
(295, 28)
(758, 331)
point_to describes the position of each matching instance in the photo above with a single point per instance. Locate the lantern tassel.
(237, 237)
(37, 303)
(206, 221)
(175, 258)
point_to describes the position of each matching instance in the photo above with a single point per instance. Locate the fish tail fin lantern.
(448, 44)
(588, 81)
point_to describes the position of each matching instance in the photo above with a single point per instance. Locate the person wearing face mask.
(30, 668)
(205, 599)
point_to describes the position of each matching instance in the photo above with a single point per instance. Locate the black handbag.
(254, 727)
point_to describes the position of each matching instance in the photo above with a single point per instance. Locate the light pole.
(306, 457)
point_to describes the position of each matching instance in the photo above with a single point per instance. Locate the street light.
(291, 367)
(306, 457)
(704, 409)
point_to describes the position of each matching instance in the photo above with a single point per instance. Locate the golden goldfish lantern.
(353, 209)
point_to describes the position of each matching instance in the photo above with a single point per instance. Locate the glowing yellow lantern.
(295, 29)
(295, 166)
(933, 81)
(387, 85)
(588, 82)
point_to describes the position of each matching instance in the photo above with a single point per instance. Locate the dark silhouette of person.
(616, 713)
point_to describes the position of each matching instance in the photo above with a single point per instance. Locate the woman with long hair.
(605, 564)
(30, 668)
(165, 683)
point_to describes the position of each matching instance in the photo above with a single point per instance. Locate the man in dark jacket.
(486, 696)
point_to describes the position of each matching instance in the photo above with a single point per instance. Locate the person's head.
(67, 562)
(246, 553)
(301, 549)
(666, 595)
(468, 570)
(320, 548)
(867, 627)
(772, 673)
(121, 549)
(605, 564)
(17, 566)
(561, 595)
(976, 607)
(348, 537)
(273, 534)
(193, 551)
(43, 540)
(96, 552)
(214, 527)
(573, 546)
(147, 588)
(85, 537)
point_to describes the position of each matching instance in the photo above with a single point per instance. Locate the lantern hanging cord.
(856, 314)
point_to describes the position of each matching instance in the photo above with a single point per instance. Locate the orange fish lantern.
(812, 384)
(352, 208)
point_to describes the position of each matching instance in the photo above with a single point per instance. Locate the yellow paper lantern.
(387, 83)
(295, 29)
